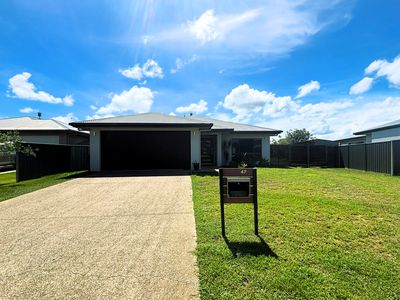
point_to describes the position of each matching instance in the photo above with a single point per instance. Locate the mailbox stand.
(238, 186)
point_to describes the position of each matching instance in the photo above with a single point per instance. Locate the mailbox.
(238, 186)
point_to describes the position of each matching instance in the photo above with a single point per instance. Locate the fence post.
(365, 158)
(290, 155)
(348, 156)
(17, 165)
(308, 155)
(391, 159)
(326, 156)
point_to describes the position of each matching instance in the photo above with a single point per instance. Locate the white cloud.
(383, 68)
(93, 107)
(21, 88)
(245, 101)
(134, 73)
(180, 63)
(97, 116)
(136, 100)
(149, 69)
(205, 27)
(27, 110)
(272, 27)
(220, 116)
(172, 114)
(362, 86)
(66, 119)
(308, 88)
(196, 108)
(334, 120)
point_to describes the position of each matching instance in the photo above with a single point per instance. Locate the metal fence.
(7, 159)
(304, 156)
(376, 157)
(51, 159)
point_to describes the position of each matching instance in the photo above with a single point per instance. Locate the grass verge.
(324, 234)
(9, 188)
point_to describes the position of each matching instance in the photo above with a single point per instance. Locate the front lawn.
(324, 234)
(9, 188)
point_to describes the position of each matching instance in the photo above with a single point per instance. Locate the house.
(352, 140)
(47, 131)
(383, 133)
(319, 142)
(157, 141)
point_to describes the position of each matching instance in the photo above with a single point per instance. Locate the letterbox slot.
(238, 187)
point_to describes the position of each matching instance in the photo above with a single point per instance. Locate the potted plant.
(196, 166)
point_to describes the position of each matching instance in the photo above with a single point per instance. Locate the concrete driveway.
(100, 238)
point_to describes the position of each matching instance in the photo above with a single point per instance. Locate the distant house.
(319, 142)
(48, 131)
(352, 140)
(383, 133)
(157, 141)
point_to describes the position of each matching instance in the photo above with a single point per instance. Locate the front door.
(208, 150)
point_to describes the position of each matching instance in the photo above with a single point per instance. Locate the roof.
(219, 125)
(146, 119)
(34, 124)
(354, 137)
(318, 142)
(389, 125)
(161, 120)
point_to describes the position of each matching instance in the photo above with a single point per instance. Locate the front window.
(246, 150)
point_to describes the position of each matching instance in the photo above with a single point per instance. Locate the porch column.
(195, 145)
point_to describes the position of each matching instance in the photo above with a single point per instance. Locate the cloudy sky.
(332, 67)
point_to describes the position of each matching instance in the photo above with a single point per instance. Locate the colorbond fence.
(51, 159)
(304, 156)
(376, 157)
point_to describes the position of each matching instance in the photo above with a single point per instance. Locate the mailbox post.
(238, 186)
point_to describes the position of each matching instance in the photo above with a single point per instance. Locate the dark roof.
(349, 138)
(161, 120)
(318, 142)
(389, 125)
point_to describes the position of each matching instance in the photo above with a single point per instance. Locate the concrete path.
(100, 238)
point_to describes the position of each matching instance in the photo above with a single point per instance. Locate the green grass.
(9, 188)
(324, 234)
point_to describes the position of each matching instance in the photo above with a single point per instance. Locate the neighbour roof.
(160, 120)
(30, 123)
(219, 125)
(354, 137)
(392, 124)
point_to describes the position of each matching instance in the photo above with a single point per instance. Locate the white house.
(157, 141)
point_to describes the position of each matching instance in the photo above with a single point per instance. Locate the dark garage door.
(139, 150)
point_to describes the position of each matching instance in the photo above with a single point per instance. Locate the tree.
(11, 142)
(295, 136)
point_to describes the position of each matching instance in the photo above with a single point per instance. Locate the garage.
(140, 150)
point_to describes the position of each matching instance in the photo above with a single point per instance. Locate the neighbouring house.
(352, 140)
(383, 133)
(319, 142)
(157, 141)
(44, 131)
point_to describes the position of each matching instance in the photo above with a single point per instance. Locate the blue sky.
(332, 67)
